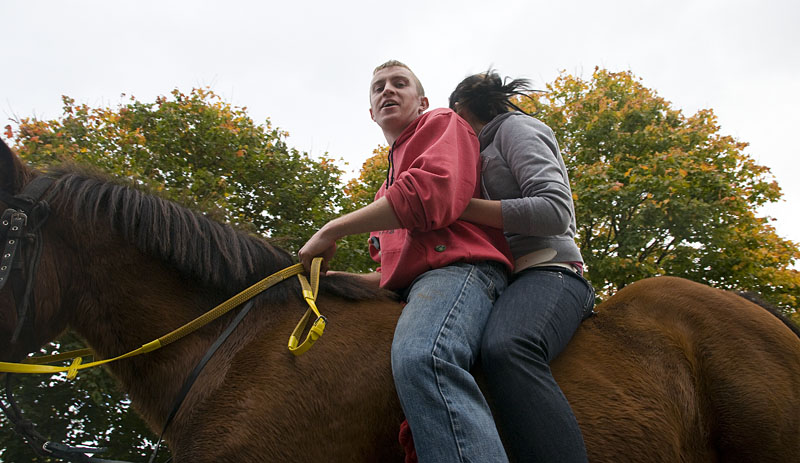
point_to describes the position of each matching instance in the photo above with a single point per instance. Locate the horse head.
(27, 308)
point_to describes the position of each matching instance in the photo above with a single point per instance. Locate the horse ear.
(8, 168)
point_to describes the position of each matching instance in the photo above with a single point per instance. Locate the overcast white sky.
(306, 65)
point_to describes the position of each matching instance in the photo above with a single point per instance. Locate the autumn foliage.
(661, 193)
(352, 254)
(200, 151)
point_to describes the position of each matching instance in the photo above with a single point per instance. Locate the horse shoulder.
(336, 402)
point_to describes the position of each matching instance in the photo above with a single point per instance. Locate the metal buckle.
(19, 215)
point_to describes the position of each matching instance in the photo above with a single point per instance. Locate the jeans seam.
(588, 304)
(436, 346)
(489, 273)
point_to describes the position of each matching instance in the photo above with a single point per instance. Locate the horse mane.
(759, 300)
(209, 252)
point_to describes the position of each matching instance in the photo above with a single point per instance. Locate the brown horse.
(669, 370)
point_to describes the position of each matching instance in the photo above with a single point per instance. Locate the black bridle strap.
(22, 426)
(31, 194)
(24, 223)
(15, 202)
(13, 224)
(23, 292)
(189, 382)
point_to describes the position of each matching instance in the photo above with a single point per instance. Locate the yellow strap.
(59, 357)
(6, 367)
(235, 301)
(318, 327)
(72, 372)
(31, 365)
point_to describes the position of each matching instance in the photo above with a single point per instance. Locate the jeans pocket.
(497, 277)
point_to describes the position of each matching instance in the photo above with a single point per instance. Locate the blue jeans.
(532, 321)
(435, 343)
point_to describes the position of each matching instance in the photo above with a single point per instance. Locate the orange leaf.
(9, 132)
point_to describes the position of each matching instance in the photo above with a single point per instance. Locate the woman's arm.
(484, 212)
(371, 279)
(531, 152)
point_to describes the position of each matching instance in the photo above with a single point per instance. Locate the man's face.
(395, 100)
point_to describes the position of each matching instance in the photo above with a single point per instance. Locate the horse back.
(672, 370)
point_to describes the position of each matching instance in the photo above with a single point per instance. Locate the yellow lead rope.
(33, 365)
(318, 327)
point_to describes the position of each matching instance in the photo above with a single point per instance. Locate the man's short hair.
(394, 63)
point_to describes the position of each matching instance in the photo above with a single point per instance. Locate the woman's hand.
(371, 279)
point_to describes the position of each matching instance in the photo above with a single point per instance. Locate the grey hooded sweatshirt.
(521, 166)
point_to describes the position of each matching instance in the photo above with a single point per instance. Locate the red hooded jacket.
(434, 171)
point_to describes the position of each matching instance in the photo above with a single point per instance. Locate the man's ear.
(372, 116)
(423, 104)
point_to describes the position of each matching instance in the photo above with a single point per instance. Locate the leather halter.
(21, 223)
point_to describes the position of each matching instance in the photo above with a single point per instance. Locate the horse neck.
(119, 299)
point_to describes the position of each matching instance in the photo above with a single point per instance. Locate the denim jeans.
(435, 343)
(532, 321)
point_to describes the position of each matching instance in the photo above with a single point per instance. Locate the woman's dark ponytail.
(487, 96)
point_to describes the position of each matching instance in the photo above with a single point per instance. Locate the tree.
(200, 151)
(659, 193)
(195, 149)
(89, 410)
(352, 251)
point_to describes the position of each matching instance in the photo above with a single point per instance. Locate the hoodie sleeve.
(531, 152)
(438, 173)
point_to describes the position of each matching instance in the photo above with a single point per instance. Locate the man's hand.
(376, 216)
(319, 245)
